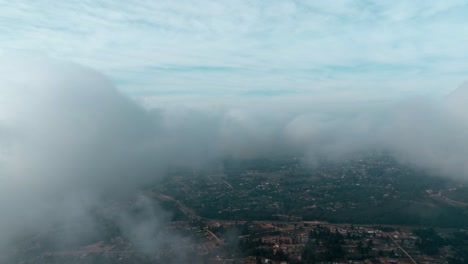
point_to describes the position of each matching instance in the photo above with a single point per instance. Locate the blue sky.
(355, 49)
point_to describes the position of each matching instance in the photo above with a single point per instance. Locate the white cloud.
(68, 138)
(202, 47)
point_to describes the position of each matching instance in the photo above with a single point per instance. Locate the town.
(367, 210)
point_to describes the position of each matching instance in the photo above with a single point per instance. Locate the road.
(404, 251)
(187, 211)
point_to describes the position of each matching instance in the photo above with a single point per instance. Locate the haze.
(99, 98)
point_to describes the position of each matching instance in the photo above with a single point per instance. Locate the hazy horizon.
(99, 98)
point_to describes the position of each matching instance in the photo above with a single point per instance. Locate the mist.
(70, 141)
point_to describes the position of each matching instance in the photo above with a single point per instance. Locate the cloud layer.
(69, 141)
(372, 48)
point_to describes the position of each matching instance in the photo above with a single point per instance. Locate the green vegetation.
(371, 189)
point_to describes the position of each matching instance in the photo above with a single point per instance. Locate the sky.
(98, 98)
(164, 50)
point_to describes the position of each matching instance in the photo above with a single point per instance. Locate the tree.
(360, 247)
